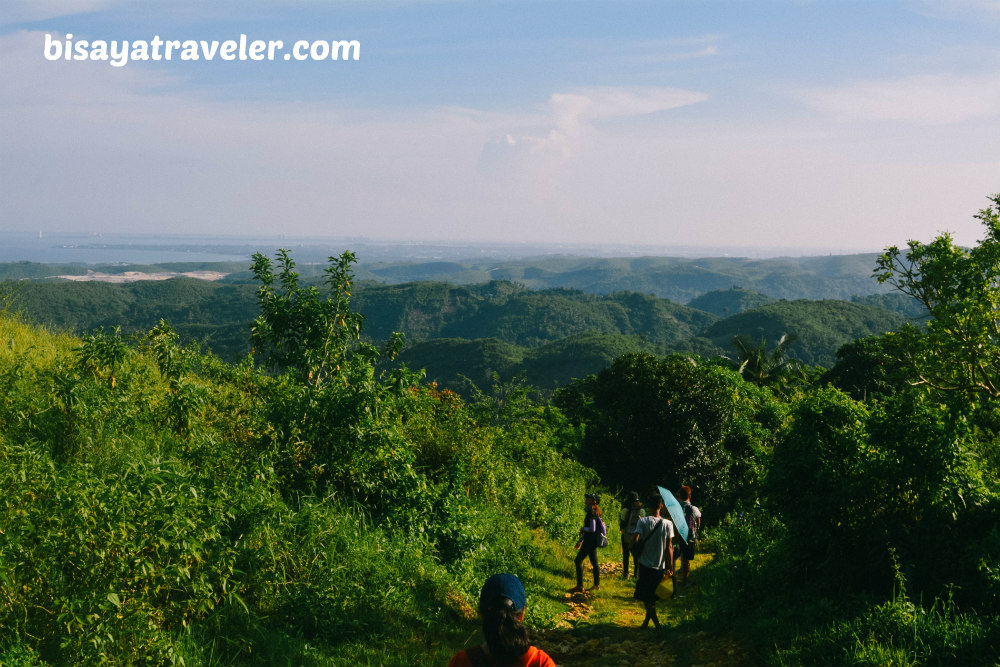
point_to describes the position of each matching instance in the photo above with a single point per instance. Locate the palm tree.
(774, 369)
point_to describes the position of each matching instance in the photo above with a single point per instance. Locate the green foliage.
(104, 355)
(516, 315)
(852, 481)
(673, 421)
(899, 633)
(299, 329)
(110, 568)
(814, 480)
(459, 364)
(215, 314)
(866, 369)
(128, 539)
(960, 290)
(774, 369)
(331, 413)
(895, 302)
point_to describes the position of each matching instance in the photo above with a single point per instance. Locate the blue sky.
(837, 126)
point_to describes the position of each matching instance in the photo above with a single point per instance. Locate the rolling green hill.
(563, 318)
(215, 314)
(822, 326)
(674, 278)
(724, 303)
(454, 362)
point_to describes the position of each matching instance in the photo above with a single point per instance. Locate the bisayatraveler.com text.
(119, 53)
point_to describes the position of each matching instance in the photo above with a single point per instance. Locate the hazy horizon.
(144, 248)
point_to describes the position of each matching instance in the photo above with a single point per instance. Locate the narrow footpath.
(602, 627)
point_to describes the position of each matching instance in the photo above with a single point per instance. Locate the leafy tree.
(872, 483)
(867, 368)
(960, 289)
(673, 420)
(331, 411)
(300, 330)
(818, 462)
(104, 355)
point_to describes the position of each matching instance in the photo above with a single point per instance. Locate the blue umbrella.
(676, 512)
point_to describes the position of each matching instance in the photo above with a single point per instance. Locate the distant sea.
(83, 248)
(116, 249)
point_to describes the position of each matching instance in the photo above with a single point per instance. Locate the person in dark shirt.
(588, 543)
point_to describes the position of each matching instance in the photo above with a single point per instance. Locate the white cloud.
(571, 119)
(925, 99)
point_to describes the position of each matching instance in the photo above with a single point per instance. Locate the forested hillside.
(821, 326)
(549, 336)
(515, 314)
(724, 303)
(677, 279)
(459, 364)
(162, 507)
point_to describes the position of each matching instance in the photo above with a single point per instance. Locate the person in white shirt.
(655, 534)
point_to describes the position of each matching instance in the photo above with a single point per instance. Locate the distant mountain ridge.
(551, 319)
(674, 278)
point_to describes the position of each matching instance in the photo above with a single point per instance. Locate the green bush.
(901, 633)
(160, 506)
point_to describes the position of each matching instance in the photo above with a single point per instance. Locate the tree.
(650, 420)
(299, 330)
(866, 368)
(960, 289)
(774, 369)
(331, 410)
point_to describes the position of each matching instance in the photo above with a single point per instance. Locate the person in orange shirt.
(501, 606)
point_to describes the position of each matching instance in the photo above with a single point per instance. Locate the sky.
(833, 125)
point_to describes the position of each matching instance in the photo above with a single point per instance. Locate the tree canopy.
(960, 288)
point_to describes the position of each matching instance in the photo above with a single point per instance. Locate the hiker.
(632, 511)
(501, 606)
(654, 535)
(692, 515)
(588, 542)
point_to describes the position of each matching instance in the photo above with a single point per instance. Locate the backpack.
(692, 523)
(601, 531)
(629, 525)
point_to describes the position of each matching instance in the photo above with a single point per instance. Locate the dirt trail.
(602, 627)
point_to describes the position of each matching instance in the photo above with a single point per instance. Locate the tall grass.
(899, 633)
(798, 618)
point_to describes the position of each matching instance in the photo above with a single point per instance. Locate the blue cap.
(500, 586)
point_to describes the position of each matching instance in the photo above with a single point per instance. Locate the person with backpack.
(692, 516)
(655, 556)
(501, 606)
(592, 534)
(632, 511)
